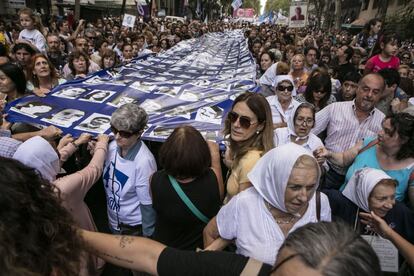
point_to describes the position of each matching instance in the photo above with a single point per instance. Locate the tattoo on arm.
(104, 254)
(124, 240)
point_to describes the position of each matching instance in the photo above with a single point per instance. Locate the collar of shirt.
(354, 108)
(132, 152)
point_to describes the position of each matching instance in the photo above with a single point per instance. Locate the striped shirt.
(343, 127)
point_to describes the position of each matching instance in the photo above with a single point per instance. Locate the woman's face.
(265, 62)
(388, 137)
(382, 199)
(239, 133)
(304, 122)
(155, 40)
(164, 44)
(297, 63)
(6, 84)
(99, 95)
(23, 57)
(126, 143)
(108, 62)
(318, 94)
(41, 68)
(376, 28)
(300, 188)
(80, 65)
(284, 91)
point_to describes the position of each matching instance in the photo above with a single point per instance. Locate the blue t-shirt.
(368, 158)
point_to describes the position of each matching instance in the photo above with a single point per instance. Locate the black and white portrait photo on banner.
(298, 15)
(65, 117)
(97, 123)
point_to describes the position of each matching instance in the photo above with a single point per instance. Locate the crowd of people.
(316, 161)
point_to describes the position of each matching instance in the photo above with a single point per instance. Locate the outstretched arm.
(126, 251)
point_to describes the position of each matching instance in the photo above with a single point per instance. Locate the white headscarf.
(38, 154)
(271, 173)
(281, 78)
(269, 76)
(361, 184)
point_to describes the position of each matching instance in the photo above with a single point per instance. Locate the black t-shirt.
(176, 225)
(179, 262)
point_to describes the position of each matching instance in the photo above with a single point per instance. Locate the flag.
(236, 4)
(142, 8)
(154, 8)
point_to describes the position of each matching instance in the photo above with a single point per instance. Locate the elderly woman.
(282, 103)
(43, 77)
(282, 199)
(298, 131)
(371, 190)
(128, 167)
(248, 129)
(298, 72)
(392, 152)
(39, 154)
(267, 80)
(197, 174)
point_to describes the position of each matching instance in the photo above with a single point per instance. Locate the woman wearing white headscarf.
(37, 153)
(282, 199)
(282, 103)
(371, 190)
(298, 131)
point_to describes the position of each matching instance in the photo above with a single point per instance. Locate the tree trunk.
(382, 9)
(123, 7)
(338, 14)
(77, 10)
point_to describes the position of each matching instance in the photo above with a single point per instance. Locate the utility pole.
(338, 17)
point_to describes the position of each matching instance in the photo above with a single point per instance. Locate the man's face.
(23, 57)
(82, 45)
(65, 27)
(311, 57)
(349, 89)
(369, 92)
(53, 43)
(140, 43)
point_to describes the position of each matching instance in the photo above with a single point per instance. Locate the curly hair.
(262, 140)
(34, 79)
(76, 55)
(36, 233)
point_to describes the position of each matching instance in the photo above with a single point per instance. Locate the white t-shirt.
(246, 219)
(278, 115)
(34, 37)
(130, 186)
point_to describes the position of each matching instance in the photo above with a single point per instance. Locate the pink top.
(73, 189)
(375, 64)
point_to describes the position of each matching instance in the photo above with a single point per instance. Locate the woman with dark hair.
(36, 233)
(198, 174)
(43, 76)
(12, 81)
(79, 65)
(318, 91)
(109, 59)
(23, 53)
(366, 40)
(392, 151)
(266, 61)
(248, 129)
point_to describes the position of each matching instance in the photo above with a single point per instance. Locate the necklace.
(279, 221)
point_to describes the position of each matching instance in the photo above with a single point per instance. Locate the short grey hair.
(333, 248)
(129, 117)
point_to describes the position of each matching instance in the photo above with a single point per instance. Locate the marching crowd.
(321, 158)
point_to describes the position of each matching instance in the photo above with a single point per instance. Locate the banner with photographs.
(298, 15)
(192, 83)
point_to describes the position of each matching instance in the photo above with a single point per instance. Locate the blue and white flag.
(192, 83)
(236, 4)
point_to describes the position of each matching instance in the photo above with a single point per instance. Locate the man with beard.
(349, 122)
(54, 53)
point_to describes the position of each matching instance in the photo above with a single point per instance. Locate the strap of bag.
(370, 145)
(187, 201)
(252, 267)
(318, 205)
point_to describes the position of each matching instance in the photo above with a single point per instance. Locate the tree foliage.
(275, 5)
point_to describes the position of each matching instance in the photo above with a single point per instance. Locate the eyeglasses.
(406, 57)
(283, 88)
(245, 122)
(123, 134)
(308, 121)
(91, 37)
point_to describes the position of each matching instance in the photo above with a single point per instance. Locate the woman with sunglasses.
(248, 130)
(282, 199)
(128, 167)
(318, 90)
(282, 103)
(298, 131)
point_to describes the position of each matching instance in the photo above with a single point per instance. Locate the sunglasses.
(123, 134)
(283, 88)
(245, 122)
